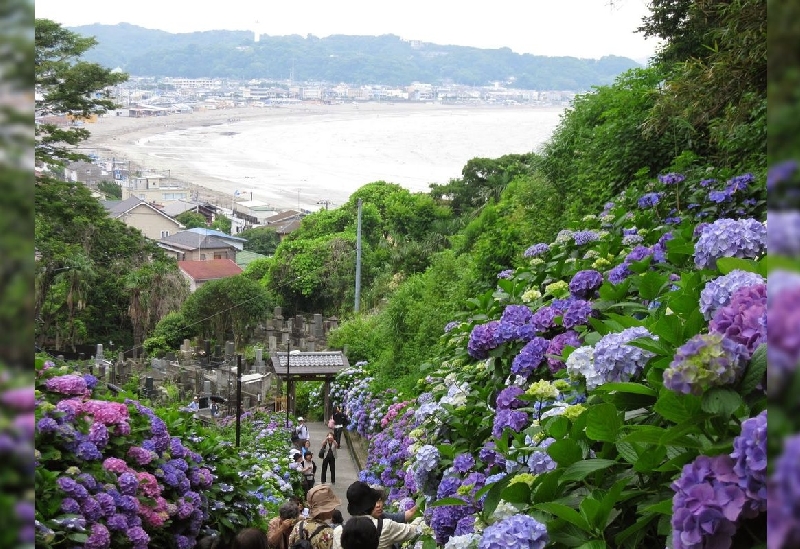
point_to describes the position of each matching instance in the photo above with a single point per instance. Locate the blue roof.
(214, 232)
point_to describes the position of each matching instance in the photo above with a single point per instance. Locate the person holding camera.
(328, 455)
(281, 526)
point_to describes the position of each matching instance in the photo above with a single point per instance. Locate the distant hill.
(354, 60)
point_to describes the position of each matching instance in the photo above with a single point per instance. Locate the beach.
(304, 155)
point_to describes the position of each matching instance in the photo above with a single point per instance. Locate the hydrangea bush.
(114, 472)
(611, 391)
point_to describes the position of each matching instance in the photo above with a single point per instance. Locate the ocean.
(304, 161)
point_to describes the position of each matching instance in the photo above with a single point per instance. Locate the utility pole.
(238, 398)
(288, 348)
(358, 258)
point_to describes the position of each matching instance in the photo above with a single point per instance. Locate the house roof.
(323, 364)
(244, 258)
(214, 232)
(282, 216)
(118, 208)
(188, 240)
(287, 227)
(212, 269)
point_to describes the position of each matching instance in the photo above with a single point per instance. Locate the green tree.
(227, 307)
(261, 240)
(169, 334)
(222, 223)
(67, 85)
(191, 220)
(112, 190)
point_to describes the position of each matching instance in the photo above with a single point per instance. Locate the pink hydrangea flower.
(115, 465)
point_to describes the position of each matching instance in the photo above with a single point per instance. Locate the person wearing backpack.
(328, 455)
(315, 532)
(361, 501)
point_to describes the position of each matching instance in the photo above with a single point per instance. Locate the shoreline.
(125, 139)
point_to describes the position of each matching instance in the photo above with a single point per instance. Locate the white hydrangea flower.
(466, 541)
(581, 363)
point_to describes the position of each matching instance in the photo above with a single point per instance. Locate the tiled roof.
(118, 207)
(309, 364)
(211, 269)
(214, 232)
(244, 258)
(282, 216)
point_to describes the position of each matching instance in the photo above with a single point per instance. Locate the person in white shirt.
(194, 404)
(302, 432)
(361, 500)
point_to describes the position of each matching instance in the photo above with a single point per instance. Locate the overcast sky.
(579, 28)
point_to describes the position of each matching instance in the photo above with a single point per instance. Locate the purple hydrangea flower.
(556, 348)
(70, 506)
(507, 398)
(707, 504)
(450, 326)
(671, 178)
(783, 336)
(514, 324)
(705, 361)
(47, 425)
(577, 313)
(781, 173)
(585, 283)
(515, 532)
(717, 293)
(783, 518)
(536, 250)
(744, 319)
(507, 274)
(638, 253)
(483, 339)
(540, 462)
(618, 274)
(530, 357)
(707, 182)
(740, 182)
(69, 384)
(88, 451)
(99, 538)
(718, 197)
(463, 463)
(516, 420)
(743, 238)
(584, 237)
(542, 319)
(750, 463)
(649, 200)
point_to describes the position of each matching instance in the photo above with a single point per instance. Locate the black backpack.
(304, 541)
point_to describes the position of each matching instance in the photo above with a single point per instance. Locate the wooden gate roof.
(309, 366)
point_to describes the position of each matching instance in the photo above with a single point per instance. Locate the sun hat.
(300, 419)
(361, 498)
(321, 499)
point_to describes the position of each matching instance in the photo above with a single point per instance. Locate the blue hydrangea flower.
(784, 226)
(743, 238)
(516, 420)
(515, 532)
(649, 200)
(536, 250)
(618, 274)
(614, 360)
(584, 237)
(483, 339)
(463, 463)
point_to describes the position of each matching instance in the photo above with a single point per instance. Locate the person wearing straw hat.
(321, 503)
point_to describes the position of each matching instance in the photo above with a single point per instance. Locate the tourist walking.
(328, 455)
(301, 431)
(340, 421)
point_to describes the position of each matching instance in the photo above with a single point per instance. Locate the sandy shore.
(117, 136)
(303, 155)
